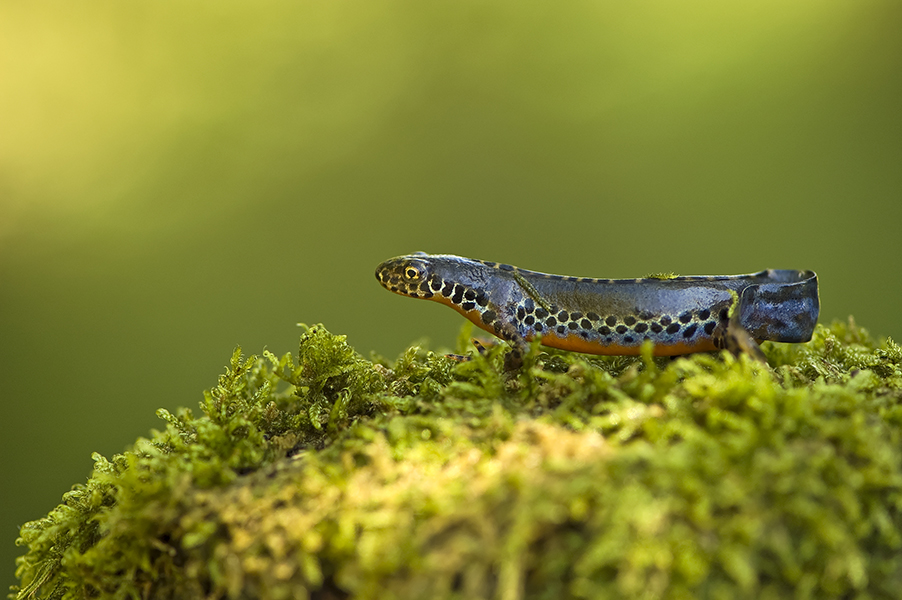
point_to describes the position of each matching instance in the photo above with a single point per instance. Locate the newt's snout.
(405, 275)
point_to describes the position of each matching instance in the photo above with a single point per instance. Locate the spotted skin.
(680, 315)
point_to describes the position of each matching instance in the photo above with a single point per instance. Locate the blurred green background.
(179, 178)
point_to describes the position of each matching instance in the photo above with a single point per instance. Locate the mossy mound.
(333, 476)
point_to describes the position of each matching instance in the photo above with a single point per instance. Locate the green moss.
(578, 477)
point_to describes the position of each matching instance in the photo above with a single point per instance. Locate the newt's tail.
(783, 311)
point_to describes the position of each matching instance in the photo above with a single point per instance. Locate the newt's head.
(409, 275)
(446, 278)
(461, 283)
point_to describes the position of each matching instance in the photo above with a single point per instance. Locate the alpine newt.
(679, 315)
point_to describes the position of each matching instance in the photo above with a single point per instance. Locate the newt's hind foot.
(730, 335)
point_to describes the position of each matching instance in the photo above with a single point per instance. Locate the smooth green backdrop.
(179, 178)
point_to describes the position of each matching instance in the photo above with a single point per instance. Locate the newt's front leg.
(508, 332)
(504, 329)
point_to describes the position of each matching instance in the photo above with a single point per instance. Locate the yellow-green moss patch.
(327, 475)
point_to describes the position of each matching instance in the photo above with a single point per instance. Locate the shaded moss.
(328, 475)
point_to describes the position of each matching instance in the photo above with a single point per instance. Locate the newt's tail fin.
(783, 311)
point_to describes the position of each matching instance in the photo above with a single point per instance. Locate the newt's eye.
(415, 271)
(412, 273)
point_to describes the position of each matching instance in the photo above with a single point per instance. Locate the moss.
(331, 476)
(667, 275)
